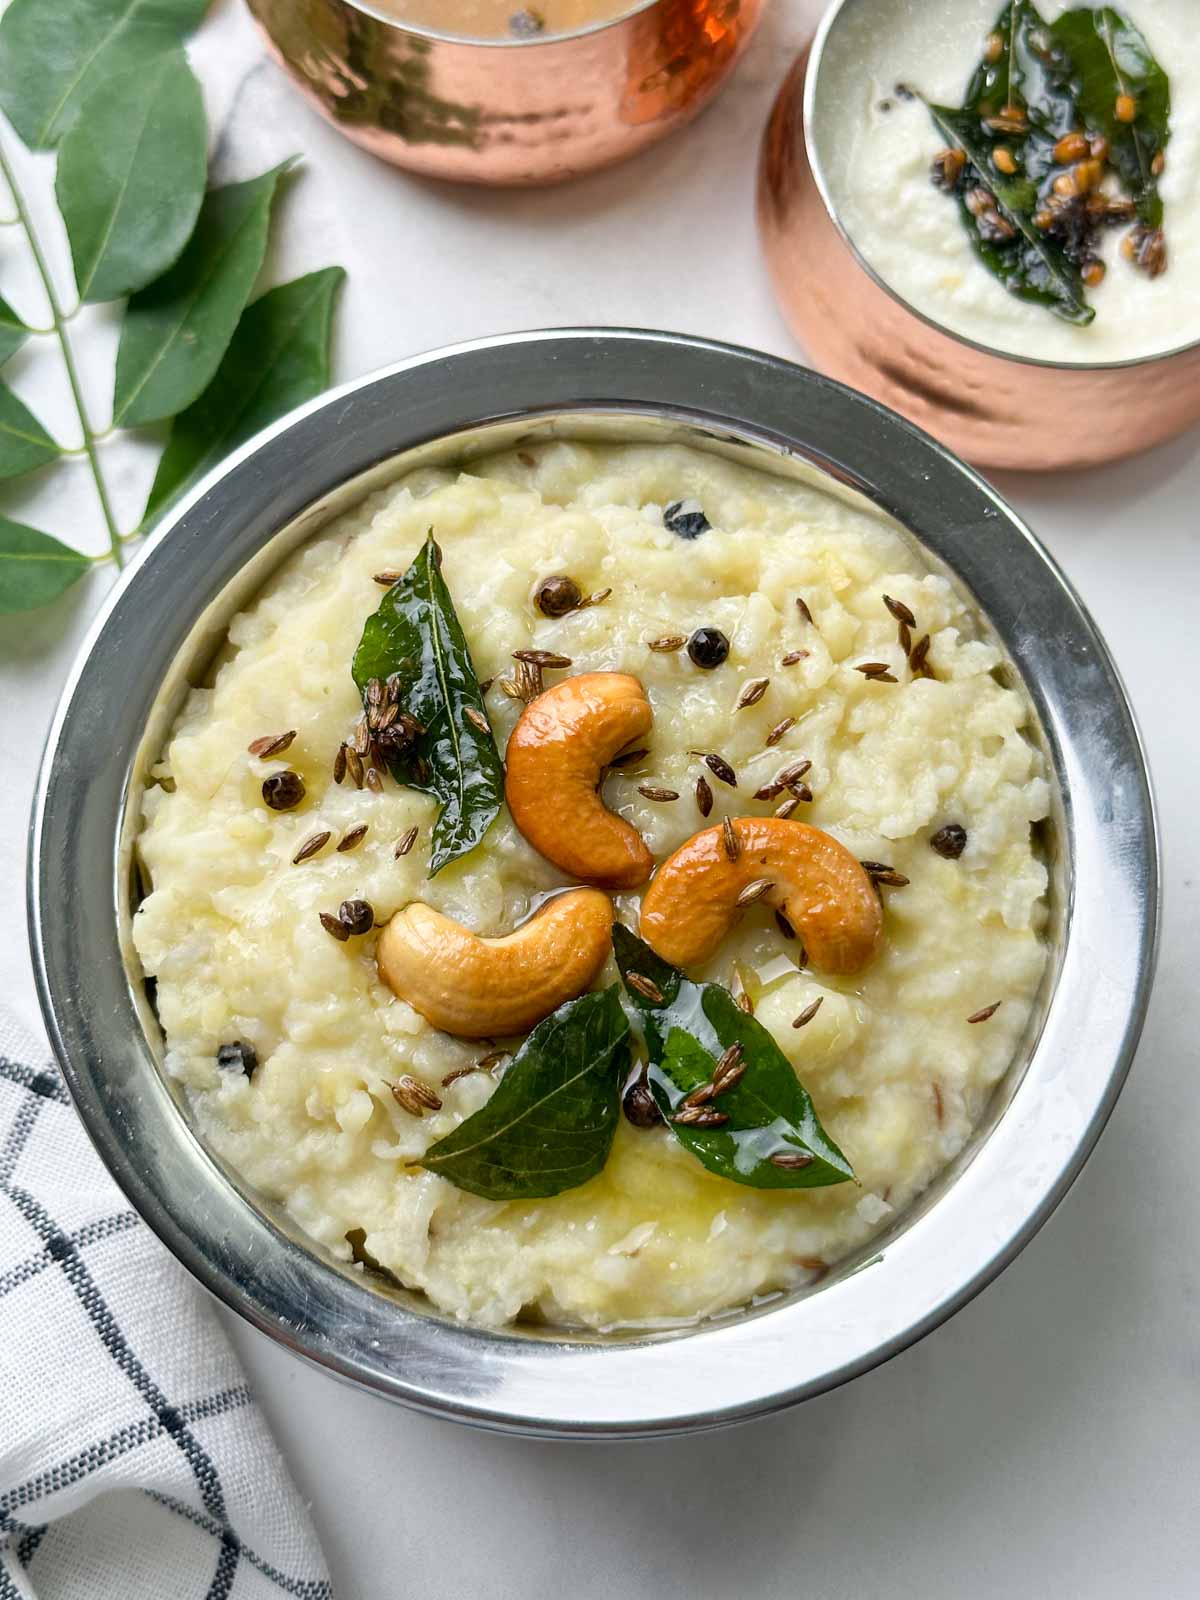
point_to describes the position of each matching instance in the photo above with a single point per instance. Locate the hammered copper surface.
(996, 410)
(528, 112)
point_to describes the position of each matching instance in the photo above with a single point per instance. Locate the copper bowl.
(508, 111)
(995, 409)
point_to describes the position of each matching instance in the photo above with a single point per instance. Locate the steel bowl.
(156, 636)
(508, 111)
(997, 410)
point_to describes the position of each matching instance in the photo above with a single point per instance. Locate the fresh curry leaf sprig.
(416, 639)
(551, 1121)
(768, 1135)
(1050, 111)
(108, 86)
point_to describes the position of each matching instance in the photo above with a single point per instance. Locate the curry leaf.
(53, 53)
(278, 358)
(1108, 58)
(550, 1124)
(1031, 265)
(770, 1113)
(13, 332)
(416, 635)
(24, 443)
(131, 176)
(177, 329)
(34, 568)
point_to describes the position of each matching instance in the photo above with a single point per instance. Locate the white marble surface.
(1045, 1441)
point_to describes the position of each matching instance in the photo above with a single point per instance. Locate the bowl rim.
(815, 54)
(368, 8)
(732, 1369)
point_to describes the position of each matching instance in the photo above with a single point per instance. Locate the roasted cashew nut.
(818, 885)
(556, 758)
(477, 988)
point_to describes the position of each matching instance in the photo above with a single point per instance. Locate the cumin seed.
(460, 1072)
(699, 1117)
(541, 658)
(405, 843)
(794, 1161)
(704, 796)
(627, 758)
(870, 669)
(730, 1069)
(354, 766)
(904, 635)
(793, 656)
(651, 793)
(314, 842)
(510, 687)
(720, 768)
(784, 811)
(486, 685)
(769, 791)
(778, 731)
(478, 720)
(900, 611)
(802, 608)
(753, 891)
(916, 658)
(492, 1059)
(374, 781)
(891, 880)
(334, 926)
(808, 1013)
(732, 848)
(671, 641)
(354, 837)
(801, 791)
(594, 599)
(362, 737)
(645, 986)
(988, 1011)
(784, 926)
(700, 1096)
(271, 744)
(414, 1095)
(339, 764)
(793, 774)
(752, 693)
(388, 577)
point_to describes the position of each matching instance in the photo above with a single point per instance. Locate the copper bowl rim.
(390, 20)
(816, 50)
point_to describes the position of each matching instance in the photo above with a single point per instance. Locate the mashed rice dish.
(900, 741)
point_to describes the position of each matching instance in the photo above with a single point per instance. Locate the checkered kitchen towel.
(133, 1461)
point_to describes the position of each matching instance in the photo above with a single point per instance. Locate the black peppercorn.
(283, 790)
(639, 1104)
(950, 841)
(356, 916)
(557, 596)
(708, 647)
(238, 1057)
(686, 518)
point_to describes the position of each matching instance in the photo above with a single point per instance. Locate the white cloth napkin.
(133, 1460)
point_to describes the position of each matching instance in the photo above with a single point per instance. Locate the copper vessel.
(508, 111)
(997, 410)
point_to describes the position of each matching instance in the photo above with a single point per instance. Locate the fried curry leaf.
(416, 636)
(1031, 264)
(1036, 83)
(1109, 58)
(770, 1113)
(550, 1124)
